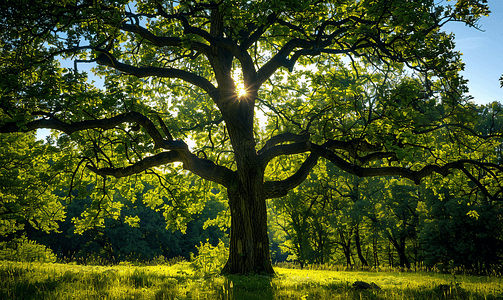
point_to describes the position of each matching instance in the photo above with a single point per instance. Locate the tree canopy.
(248, 95)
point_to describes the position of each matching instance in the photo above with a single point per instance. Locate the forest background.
(333, 217)
(371, 222)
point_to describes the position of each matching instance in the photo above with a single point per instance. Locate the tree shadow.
(247, 287)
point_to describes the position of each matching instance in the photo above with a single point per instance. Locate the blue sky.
(482, 54)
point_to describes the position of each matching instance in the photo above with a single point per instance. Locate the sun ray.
(240, 90)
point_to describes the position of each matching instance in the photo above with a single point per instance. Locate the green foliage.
(118, 242)
(209, 259)
(460, 234)
(373, 86)
(389, 222)
(27, 182)
(25, 250)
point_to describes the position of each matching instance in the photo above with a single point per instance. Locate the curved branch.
(207, 169)
(275, 189)
(109, 60)
(280, 188)
(281, 59)
(202, 167)
(289, 149)
(301, 144)
(179, 151)
(308, 47)
(106, 123)
(162, 41)
(140, 166)
(481, 187)
(283, 137)
(415, 176)
(253, 38)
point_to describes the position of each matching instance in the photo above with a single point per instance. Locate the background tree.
(26, 186)
(199, 70)
(462, 232)
(138, 234)
(27, 201)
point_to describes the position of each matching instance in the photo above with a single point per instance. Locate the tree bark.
(375, 252)
(359, 247)
(400, 249)
(249, 242)
(346, 247)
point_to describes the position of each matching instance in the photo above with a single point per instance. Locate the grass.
(65, 281)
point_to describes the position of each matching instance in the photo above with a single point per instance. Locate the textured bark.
(249, 242)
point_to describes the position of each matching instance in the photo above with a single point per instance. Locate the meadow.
(22, 280)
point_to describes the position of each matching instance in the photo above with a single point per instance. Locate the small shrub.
(26, 250)
(210, 259)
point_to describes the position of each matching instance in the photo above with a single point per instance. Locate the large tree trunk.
(249, 242)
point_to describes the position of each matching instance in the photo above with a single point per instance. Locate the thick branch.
(283, 137)
(253, 38)
(202, 167)
(109, 60)
(281, 59)
(289, 149)
(301, 145)
(179, 151)
(209, 170)
(308, 47)
(140, 166)
(275, 189)
(415, 176)
(106, 123)
(162, 41)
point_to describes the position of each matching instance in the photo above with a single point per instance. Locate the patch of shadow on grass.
(245, 287)
(24, 288)
(344, 290)
(441, 292)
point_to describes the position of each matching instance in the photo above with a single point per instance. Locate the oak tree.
(183, 82)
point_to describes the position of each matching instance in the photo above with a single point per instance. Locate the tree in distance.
(371, 86)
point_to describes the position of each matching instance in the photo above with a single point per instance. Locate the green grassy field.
(62, 281)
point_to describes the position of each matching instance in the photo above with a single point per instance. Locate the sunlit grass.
(62, 281)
